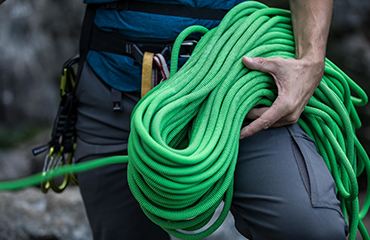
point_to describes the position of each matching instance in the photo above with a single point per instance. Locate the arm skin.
(296, 79)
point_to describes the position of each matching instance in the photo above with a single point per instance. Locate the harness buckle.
(137, 53)
(166, 52)
(190, 45)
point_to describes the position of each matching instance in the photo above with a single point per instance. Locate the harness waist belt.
(117, 43)
(167, 9)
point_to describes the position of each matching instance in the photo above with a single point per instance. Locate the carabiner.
(59, 161)
(49, 158)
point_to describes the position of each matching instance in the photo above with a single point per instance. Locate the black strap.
(113, 42)
(116, 99)
(110, 42)
(85, 37)
(167, 9)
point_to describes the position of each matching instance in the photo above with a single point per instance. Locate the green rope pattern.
(184, 135)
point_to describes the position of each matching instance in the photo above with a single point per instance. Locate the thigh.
(283, 190)
(112, 211)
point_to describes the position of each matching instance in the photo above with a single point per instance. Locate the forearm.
(311, 22)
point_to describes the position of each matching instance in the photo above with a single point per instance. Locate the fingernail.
(247, 59)
(241, 136)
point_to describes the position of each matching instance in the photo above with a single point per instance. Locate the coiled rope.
(184, 135)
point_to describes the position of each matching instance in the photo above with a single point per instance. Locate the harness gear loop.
(147, 73)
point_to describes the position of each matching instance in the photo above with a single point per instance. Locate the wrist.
(314, 50)
(313, 58)
(315, 65)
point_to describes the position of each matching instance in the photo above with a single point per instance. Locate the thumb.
(260, 64)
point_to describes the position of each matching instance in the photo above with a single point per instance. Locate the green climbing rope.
(184, 135)
(36, 179)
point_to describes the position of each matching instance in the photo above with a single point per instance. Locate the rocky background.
(36, 37)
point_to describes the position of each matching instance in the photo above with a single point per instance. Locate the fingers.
(296, 80)
(275, 116)
(255, 113)
(266, 120)
(264, 117)
(268, 65)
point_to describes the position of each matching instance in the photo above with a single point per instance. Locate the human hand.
(296, 81)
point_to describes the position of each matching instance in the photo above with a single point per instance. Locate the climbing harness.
(62, 144)
(184, 135)
(94, 38)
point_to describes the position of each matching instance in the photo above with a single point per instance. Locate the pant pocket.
(316, 177)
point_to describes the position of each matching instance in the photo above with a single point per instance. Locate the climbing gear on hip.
(150, 72)
(62, 144)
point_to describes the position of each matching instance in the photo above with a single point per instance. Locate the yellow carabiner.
(63, 82)
(44, 186)
(58, 161)
(67, 81)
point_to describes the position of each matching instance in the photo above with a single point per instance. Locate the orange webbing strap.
(146, 77)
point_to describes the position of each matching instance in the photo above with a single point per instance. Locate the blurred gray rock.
(18, 162)
(30, 214)
(349, 48)
(36, 38)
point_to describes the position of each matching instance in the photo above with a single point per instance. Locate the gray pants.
(283, 190)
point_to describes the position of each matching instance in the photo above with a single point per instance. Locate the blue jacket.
(122, 72)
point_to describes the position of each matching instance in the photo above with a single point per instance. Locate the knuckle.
(250, 132)
(279, 59)
(293, 118)
(260, 60)
(290, 108)
(246, 132)
(266, 123)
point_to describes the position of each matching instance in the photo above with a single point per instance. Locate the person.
(283, 190)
